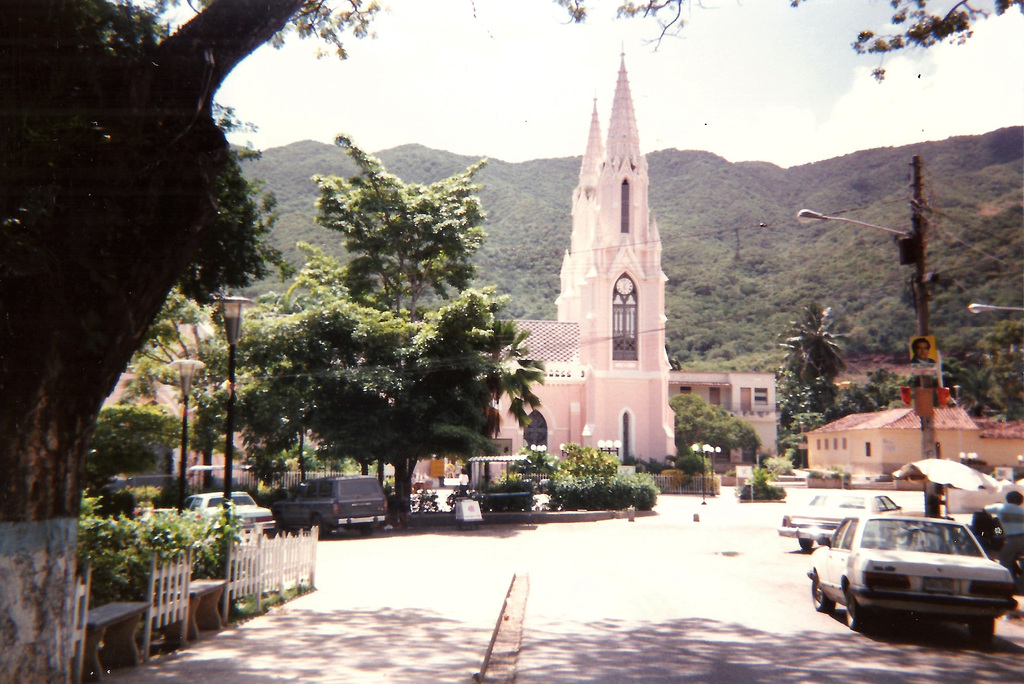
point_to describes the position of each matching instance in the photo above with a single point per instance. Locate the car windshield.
(924, 536)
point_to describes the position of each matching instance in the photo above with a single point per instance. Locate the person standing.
(1011, 516)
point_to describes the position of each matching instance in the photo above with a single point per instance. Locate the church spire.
(595, 152)
(623, 139)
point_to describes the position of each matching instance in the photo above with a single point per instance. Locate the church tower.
(613, 288)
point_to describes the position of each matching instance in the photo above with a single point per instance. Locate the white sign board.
(744, 472)
(467, 510)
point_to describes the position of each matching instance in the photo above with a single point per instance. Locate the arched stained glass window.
(537, 431)
(624, 333)
(624, 228)
(627, 437)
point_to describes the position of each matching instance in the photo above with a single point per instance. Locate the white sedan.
(823, 514)
(252, 514)
(931, 568)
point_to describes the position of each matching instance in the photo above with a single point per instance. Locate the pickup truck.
(332, 503)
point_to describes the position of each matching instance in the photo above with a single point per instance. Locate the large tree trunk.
(107, 231)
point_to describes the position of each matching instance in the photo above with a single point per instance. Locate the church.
(608, 378)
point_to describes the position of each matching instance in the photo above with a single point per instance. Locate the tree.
(128, 438)
(405, 240)
(108, 160)
(512, 374)
(698, 421)
(812, 345)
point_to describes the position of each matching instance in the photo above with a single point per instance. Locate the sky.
(755, 80)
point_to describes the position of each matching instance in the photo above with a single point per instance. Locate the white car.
(242, 504)
(931, 568)
(823, 514)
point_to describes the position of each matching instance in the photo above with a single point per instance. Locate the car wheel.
(806, 544)
(982, 631)
(858, 617)
(822, 603)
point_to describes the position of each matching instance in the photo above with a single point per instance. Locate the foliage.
(778, 465)
(591, 493)
(690, 463)
(542, 463)
(763, 488)
(512, 374)
(119, 549)
(404, 240)
(698, 421)
(812, 345)
(509, 483)
(587, 462)
(128, 439)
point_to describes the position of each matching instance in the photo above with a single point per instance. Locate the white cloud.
(514, 82)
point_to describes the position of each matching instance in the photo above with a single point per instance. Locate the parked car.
(331, 503)
(825, 511)
(252, 515)
(928, 567)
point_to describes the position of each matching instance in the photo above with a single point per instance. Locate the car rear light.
(336, 509)
(886, 580)
(989, 588)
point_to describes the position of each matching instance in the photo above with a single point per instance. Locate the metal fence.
(259, 564)
(697, 484)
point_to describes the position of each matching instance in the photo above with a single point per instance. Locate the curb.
(430, 520)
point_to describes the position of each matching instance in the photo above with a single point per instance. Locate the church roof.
(898, 419)
(555, 341)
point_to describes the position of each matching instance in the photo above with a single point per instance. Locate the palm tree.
(512, 374)
(812, 346)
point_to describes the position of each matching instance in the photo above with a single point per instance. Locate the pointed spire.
(623, 139)
(595, 152)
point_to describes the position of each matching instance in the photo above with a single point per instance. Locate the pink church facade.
(607, 371)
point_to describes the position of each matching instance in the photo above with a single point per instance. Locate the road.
(665, 598)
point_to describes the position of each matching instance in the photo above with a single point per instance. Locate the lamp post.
(231, 308)
(186, 371)
(704, 451)
(608, 446)
(912, 245)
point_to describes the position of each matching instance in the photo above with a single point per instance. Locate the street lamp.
(186, 371)
(231, 308)
(809, 215)
(704, 451)
(976, 308)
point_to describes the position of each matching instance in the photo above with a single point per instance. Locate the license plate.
(942, 585)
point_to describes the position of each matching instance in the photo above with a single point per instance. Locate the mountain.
(732, 284)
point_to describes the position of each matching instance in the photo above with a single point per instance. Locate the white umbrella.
(949, 473)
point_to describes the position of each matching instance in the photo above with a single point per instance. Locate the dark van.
(331, 503)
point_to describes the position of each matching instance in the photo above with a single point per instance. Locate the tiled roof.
(552, 340)
(899, 419)
(996, 429)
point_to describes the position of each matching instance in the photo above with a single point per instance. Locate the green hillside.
(732, 284)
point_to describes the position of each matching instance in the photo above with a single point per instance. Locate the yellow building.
(879, 443)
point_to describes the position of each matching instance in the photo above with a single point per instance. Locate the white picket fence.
(259, 564)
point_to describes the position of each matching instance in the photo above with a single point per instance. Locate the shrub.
(600, 494)
(763, 488)
(584, 461)
(690, 463)
(779, 465)
(119, 549)
(510, 483)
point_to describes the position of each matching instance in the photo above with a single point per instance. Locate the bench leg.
(91, 668)
(119, 649)
(207, 614)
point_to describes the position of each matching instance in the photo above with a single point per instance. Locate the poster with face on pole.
(924, 355)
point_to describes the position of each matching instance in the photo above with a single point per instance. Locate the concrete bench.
(110, 638)
(204, 606)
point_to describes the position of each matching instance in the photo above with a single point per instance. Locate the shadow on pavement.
(338, 646)
(711, 651)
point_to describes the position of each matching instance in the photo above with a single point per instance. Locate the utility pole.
(915, 252)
